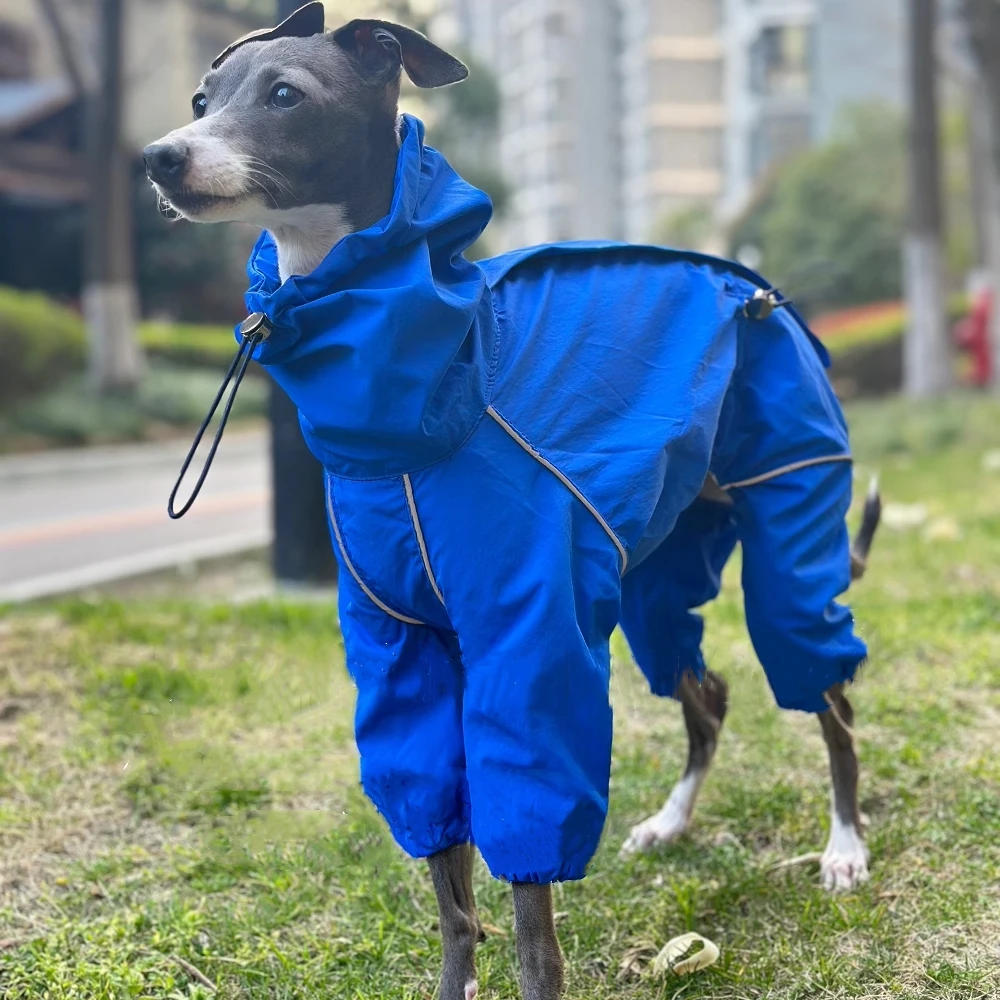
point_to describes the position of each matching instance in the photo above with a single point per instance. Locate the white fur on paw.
(669, 823)
(471, 990)
(844, 864)
(652, 832)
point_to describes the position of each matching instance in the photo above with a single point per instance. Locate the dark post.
(302, 554)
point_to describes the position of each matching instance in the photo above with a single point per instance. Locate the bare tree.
(927, 354)
(109, 296)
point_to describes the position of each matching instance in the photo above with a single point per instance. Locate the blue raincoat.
(514, 450)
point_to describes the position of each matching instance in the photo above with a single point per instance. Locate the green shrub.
(829, 221)
(73, 414)
(40, 343)
(189, 343)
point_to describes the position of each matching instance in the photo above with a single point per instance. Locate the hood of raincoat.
(387, 347)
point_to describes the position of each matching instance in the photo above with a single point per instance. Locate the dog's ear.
(382, 47)
(306, 21)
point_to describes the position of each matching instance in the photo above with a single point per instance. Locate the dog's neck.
(304, 235)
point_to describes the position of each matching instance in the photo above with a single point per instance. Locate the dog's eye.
(285, 96)
(199, 103)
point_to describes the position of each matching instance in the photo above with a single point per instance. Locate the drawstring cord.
(255, 329)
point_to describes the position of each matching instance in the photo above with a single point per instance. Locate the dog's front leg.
(537, 944)
(451, 873)
(844, 864)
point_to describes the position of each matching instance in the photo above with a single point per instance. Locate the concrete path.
(74, 519)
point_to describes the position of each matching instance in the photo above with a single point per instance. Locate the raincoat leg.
(408, 724)
(658, 595)
(796, 561)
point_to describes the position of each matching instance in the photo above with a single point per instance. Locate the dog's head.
(294, 116)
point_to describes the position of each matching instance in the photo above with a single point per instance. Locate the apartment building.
(556, 66)
(792, 66)
(672, 109)
(618, 113)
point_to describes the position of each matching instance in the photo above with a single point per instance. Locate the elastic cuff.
(417, 830)
(814, 702)
(567, 873)
(664, 684)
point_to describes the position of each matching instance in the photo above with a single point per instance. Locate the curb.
(139, 564)
(92, 461)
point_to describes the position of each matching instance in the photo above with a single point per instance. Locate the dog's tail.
(862, 543)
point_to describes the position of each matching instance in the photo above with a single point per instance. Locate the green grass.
(178, 789)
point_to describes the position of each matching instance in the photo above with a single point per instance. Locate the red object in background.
(972, 336)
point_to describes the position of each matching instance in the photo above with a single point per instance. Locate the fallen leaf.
(666, 961)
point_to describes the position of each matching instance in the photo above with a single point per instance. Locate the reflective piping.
(419, 532)
(793, 467)
(565, 481)
(350, 566)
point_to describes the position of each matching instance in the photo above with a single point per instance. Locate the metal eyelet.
(763, 303)
(256, 323)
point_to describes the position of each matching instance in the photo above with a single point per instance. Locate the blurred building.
(612, 109)
(619, 113)
(672, 109)
(43, 188)
(169, 45)
(792, 66)
(557, 68)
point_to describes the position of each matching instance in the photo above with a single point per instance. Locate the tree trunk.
(109, 296)
(982, 25)
(927, 352)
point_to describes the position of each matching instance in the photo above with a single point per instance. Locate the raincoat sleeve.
(408, 723)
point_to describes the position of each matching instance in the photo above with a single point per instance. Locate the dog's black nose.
(165, 162)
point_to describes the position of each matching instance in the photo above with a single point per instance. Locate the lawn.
(179, 811)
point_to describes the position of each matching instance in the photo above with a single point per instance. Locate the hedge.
(42, 343)
(873, 324)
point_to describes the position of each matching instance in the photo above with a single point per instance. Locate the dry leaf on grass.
(666, 961)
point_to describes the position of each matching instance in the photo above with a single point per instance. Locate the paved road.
(74, 519)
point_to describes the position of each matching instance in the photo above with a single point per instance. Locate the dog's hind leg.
(844, 863)
(704, 710)
(537, 944)
(451, 873)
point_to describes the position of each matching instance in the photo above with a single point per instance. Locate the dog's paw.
(663, 828)
(471, 990)
(844, 863)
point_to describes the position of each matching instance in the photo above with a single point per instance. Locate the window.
(780, 61)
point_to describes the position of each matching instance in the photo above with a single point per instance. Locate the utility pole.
(109, 297)
(302, 555)
(927, 365)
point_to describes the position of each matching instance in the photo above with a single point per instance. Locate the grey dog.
(325, 168)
